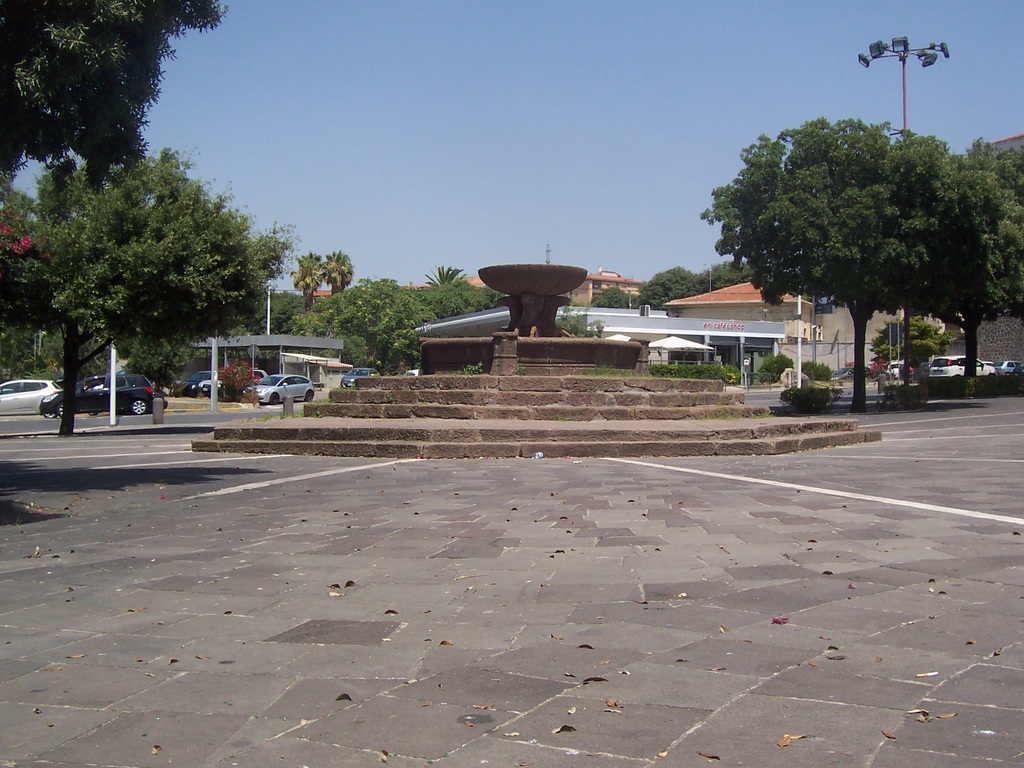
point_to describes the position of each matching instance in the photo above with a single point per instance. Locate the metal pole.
(213, 375)
(799, 338)
(113, 385)
(268, 310)
(903, 65)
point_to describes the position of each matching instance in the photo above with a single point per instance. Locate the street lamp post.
(899, 48)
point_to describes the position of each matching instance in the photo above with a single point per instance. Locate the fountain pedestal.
(532, 343)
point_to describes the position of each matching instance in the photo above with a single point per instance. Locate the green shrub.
(730, 374)
(817, 371)
(472, 369)
(910, 397)
(772, 367)
(810, 399)
(982, 386)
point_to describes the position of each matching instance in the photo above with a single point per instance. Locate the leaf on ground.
(483, 706)
(446, 642)
(722, 629)
(343, 697)
(350, 583)
(812, 663)
(780, 620)
(709, 755)
(586, 646)
(789, 738)
(390, 612)
(889, 735)
(564, 729)
(612, 703)
(716, 669)
(595, 679)
(571, 710)
(946, 716)
(511, 734)
(76, 656)
(927, 674)
(971, 642)
(156, 749)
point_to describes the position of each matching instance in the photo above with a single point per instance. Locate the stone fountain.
(532, 343)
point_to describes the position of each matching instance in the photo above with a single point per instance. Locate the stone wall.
(1002, 339)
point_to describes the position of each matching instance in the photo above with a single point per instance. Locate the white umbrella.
(674, 342)
(619, 337)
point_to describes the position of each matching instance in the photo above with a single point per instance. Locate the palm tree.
(445, 276)
(337, 271)
(308, 276)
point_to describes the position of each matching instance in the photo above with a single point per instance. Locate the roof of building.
(608, 276)
(741, 293)
(1015, 137)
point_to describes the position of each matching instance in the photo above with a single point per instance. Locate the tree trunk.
(860, 317)
(72, 367)
(970, 329)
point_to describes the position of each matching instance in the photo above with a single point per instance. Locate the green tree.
(728, 273)
(456, 298)
(926, 340)
(337, 271)
(159, 360)
(971, 241)
(577, 323)
(380, 313)
(152, 255)
(445, 276)
(308, 276)
(613, 297)
(811, 213)
(674, 283)
(77, 78)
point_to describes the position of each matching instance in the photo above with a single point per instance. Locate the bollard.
(158, 410)
(289, 406)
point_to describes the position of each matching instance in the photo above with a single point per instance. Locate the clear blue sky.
(412, 134)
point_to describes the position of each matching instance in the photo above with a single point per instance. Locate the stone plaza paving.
(860, 606)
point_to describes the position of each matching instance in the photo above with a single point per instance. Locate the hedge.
(730, 374)
(810, 399)
(981, 386)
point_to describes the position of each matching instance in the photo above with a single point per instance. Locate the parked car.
(986, 368)
(349, 379)
(135, 395)
(843, 374)
(1004, 367)
(194, 382)
(945, 367)
(24, 395)
(273, 389)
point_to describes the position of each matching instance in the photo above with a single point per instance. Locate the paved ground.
(859, 606)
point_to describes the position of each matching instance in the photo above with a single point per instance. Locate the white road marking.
(294, 479)
(925, 507)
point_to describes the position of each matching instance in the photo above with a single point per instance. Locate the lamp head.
(945, 50)
(877, 48)
(864, 60)
(900, 45)
(928, 58)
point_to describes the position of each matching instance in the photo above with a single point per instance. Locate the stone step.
(537, 383)
(532, 412)
(509, 439)
(499, 397)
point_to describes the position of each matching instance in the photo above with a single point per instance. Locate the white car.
(273, 389)
(24, 395)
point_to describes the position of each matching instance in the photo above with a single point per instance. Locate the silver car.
(273, 389)
(24, 395)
